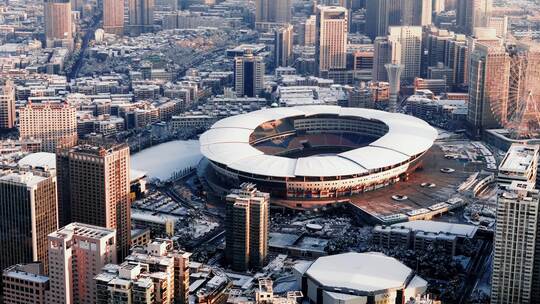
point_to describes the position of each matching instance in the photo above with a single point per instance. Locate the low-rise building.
(24, 283)
(192, 121)
(419, 235)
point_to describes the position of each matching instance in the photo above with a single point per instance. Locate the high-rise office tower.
(486, 36)
(248, 75)
(395, 8)
(113, 16)
(94, 189)
(29, 213)
(416, 12)
(283, 45)
(331, 38)
(407, 42)
(456, 58)
(488, 82)
(472, 14)
(310, 31)
(246, 224)
(55, 124)
(58, 23)
(435, 41)
(380, 14)
(516, 246)
(78, 5)
(77, 253)
(500, 24)
(439, 6)
(385, 51)
(278, 11)
(377, 15)
(141, 16)
(7, 105)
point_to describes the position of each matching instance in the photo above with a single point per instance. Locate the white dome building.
(359, 278)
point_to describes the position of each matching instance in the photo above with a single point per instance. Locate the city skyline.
(269, 151)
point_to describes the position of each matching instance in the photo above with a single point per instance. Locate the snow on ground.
(163, 160)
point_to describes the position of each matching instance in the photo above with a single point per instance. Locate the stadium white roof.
(39, 159)
(228, 143)
(364, 272)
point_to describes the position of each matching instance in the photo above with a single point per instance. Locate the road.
(475, 272)
(86, 39)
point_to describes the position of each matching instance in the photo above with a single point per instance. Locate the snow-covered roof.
(519, 158)
(26, 276)
(364, 272)
(228, 143)
(39, 159)
(440, 227)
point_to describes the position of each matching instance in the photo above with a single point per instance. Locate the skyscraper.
(377, 18)
(515, 240)
(77, 253)
(29, 213)
(380, 14)
(456, 58)
(488, 83)
(58, 23)
(407, 44)
(283, 45)
(113, 16)
(55, 124)
(94, 189)
(246, 224)
(278, 11)
(416, 12)
(141, 16)
(248, 75)
(382, 54)
(310, 31)
(472, 14)
(331, 38)
(516, 246)
(7, 105)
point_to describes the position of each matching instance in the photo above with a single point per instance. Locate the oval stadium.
(315, 152)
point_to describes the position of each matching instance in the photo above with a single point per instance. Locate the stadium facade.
(316, 152)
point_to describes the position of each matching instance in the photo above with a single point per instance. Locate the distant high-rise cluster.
(472, 14)
(503, 87)
(275, 11)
